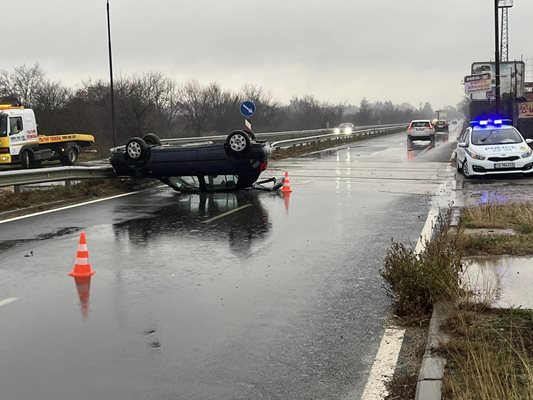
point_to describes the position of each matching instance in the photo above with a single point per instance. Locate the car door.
(460, 151)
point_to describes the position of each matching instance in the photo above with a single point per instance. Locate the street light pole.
(111, 77)
(497, 56)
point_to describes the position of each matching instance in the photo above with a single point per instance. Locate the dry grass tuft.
(490, 355)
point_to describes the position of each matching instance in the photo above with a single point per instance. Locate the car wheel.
(466, 170)
(136, 150)
(69, 157)
(152, 139)
(238, 145)
(250, 133)
(25, 159)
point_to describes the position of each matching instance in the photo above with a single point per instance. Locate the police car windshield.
(495, 136)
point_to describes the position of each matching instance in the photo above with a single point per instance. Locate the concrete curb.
(429, 384)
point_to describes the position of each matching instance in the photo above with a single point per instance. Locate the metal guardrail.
(288, 139)
(337, 136)
(43, 175)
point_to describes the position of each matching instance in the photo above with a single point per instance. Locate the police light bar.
(490, 121)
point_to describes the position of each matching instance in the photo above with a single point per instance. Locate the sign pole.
(247, 110)
(248, 123)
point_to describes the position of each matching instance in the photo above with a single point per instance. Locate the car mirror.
(462, 144)
(529, 141)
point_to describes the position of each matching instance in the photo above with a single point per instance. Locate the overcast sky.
(337, 50)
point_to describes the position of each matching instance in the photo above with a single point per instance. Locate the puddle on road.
(507, 278)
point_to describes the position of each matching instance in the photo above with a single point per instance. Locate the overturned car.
(233, 165)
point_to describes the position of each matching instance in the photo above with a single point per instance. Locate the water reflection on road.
(238, 218)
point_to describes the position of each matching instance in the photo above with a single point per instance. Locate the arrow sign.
(247, 109)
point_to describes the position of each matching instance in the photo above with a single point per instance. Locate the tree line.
(152, 102)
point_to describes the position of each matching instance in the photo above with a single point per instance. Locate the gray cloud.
(337, 50)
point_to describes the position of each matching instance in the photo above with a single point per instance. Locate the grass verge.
(489, 354)
(517, 216)
(85, 190)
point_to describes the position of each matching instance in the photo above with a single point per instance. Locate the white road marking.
(7, 301)
(452, 156)
(66, 207)
(434, 212)
(207, 221)
(427, 230)
(384, 364)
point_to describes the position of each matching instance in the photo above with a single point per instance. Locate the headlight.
(474, 155)
(347, 131)
(527, 153)
(336, 131)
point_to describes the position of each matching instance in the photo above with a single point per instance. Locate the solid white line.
(452, 156)
(66, 207)
(7, 301)
(207, 221)
(433, 215)
(384, 364)
(427, 230)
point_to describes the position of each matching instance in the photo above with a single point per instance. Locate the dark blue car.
(232, 165)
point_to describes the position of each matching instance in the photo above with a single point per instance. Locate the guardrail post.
(16, 189)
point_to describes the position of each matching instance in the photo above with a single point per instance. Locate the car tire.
(137, 150)
(152, 139)
(250, 133)
(69, 157)
(466, 170)
(238, 145)
(25, 159)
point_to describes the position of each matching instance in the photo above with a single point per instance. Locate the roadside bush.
(417, 281)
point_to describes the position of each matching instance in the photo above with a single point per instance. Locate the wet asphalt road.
(279, 299)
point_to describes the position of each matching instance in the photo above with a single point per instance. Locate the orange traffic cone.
(82, 267)
(286, 184)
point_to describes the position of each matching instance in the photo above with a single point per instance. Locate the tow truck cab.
(20, 142)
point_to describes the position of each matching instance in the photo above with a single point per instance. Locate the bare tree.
(194, 101)
(224, 105)
(23, 83)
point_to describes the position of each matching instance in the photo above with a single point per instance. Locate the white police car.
(493, 146)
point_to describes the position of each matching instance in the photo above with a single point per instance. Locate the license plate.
(504, 165)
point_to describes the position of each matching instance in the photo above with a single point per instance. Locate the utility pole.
(504, 45)
(497, 57)
(111, 77)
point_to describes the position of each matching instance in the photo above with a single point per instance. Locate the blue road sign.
(247, 109)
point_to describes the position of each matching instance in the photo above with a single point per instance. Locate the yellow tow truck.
(20, 142)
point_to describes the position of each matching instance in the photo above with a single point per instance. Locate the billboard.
(477, 83)
(512, 75)
(525, 110)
